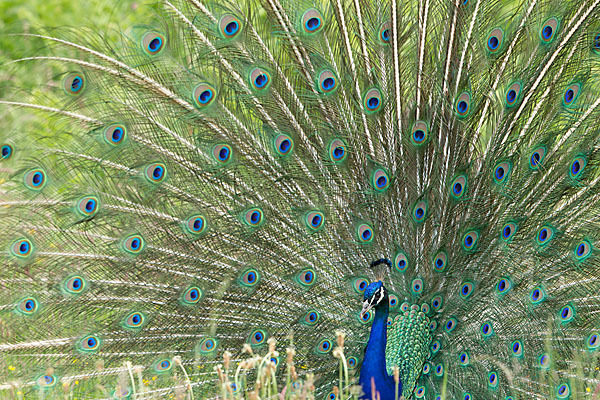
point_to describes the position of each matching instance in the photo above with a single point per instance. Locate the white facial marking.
(381, 295)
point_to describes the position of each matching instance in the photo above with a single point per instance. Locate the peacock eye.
(337, 150)
(487, 329)
(504, 285)
(162, 365)
(208, 346)
(352, 362)
(27, 306)
(306, 277)
(439, 370)
(155, 173)
(74, 285)
(46, 381)
(593, 341)
(440, 261)
(372, 101)
(222, 153)
(426, 368)
(380, 180)
(314, 220)
(283, 145)
(89, 343)
(88, 206)
(583, 250)
(366, 318)
(327, 82)
(517, 348)
(571, 94)
(537, 157)
(260, 79)
(419, 133)
(493, 379)
(230, 26)
(537, 295)
(6, 151)
(566, 314)
(324, 346)
(545, 235)
(153, 43)
(437, 302)
(360, 285)
(204, 95)
(364, 233)
(577, 166)
(544, 361)
(312, 21)
(135, 320)
(311, 318)
(385, 32)
(115, 134)
(508, 231)
(549, 29)
(258, 337)
(35, 179)
(417, 286)
(250, 278)
(133, 244)
(419, 213)
(191, 295)
(513, 94)
(74, 83)
(253, 217)
(22, 248)
(463, 104)
(393, 300)
(563, 391)
(470, 240)
(494, 40)
(451, 324)
(596, 43)
(502, 172)
(401, 261)
(458, 186)
(195, 225)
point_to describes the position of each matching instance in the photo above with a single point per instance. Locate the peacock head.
(376, 295)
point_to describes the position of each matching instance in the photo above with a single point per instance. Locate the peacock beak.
(367, 305)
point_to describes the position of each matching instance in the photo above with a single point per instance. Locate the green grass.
(27, 16)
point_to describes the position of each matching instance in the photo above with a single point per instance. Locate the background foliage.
(26, 16)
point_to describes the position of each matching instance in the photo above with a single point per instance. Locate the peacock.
(306, 199)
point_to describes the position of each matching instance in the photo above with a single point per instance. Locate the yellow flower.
(10, 367)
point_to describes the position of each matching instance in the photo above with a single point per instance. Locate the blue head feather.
(371, 289)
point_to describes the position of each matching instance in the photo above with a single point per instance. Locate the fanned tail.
(226, 174)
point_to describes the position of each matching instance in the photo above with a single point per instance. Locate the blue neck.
(373, 365)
